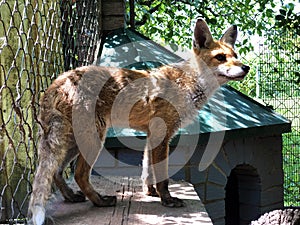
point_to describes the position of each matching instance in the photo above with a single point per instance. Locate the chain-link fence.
(278, 85)
(80, 31)
(40, 39)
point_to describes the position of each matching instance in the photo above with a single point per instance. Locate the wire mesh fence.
(278, 86)
(80, 31)
(30, 57)
(40, 39)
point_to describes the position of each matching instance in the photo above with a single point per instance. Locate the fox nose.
(246, 68)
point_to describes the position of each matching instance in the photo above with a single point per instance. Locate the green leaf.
(282, 12)
(279, 17)
(291, 6)
(269, 13)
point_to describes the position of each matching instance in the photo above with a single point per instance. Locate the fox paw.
(106, 201)
(152, 192)
(172, 202)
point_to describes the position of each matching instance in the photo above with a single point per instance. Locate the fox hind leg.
(84, 166)
(82, 174)
(60, 182)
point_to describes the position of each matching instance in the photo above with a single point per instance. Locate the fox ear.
(229, 37)
(202, 35)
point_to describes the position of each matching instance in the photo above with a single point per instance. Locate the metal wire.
(80, 32)
(279, 80)
(35, 38)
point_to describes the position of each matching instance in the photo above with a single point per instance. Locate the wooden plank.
(113, 22)
(133, 207)
(113, 12)
(113, 8)
(144, 211)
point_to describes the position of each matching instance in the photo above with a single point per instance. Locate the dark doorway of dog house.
(242, 198)
(244, 180)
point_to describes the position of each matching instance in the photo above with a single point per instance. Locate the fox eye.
(221, 57)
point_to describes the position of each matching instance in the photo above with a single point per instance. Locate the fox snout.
(231, 72)
(237, 72)
(242, 71)
(245, 68)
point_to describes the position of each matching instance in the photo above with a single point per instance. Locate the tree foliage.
(169, 21)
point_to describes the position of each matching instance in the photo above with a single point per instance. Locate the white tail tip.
(38, 215)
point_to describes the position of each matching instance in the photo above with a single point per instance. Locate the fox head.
(219, 56)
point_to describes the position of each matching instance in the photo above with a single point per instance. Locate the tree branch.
(145, 18)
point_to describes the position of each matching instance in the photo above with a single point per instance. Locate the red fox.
(81, 104)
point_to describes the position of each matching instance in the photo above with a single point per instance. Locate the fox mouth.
(240, 77)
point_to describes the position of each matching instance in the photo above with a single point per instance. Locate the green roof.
(228, 109)
(127, 48)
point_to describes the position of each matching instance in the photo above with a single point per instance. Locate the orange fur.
(157, 102)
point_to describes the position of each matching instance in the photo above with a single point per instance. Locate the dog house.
(232, 153)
